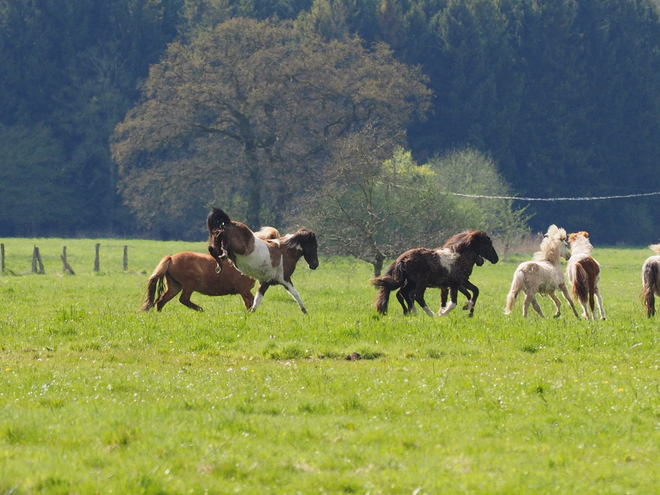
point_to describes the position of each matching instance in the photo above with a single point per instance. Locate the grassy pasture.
(96, 397)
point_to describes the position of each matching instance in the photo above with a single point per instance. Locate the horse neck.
(582, 247)
(550, 255)
(239, 239)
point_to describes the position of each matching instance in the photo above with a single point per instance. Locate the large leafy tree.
(249, 109)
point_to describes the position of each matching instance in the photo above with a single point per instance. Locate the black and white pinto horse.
(269, 261)
(651, 280)
(447, 267)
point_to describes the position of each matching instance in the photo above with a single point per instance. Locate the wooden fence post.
(125, 258)
(96, 259)
(66, 268)
(2, 258)
(37, 264)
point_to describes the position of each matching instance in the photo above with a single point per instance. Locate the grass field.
(96, 397)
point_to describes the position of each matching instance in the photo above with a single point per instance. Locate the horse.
(651, 280)
(189, 272)
(447, 267)
(270, 261)
(542, 275)
(583, 272)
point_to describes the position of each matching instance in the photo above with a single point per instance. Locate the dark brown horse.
(194, 272)
(270, 261)
(450, 266)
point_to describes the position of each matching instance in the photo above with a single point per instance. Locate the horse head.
(486, 248)
(216, 222)
(553, 246)
(306, 239)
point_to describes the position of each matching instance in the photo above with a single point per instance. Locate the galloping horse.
(651, 280)
(270, 261)
(543, 274)
(583, 272)
(418, 269)
(194, 272)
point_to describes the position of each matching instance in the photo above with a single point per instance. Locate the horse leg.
(530, 298)
(173, 288)
(567, 296)
(472, 301)
(248, 298)
(453, 295)
(599, 298)
(185, 300)
(444, 295)
(557, 302)
(419, 297)
(405, 296)
(292, 290)
(260, 295)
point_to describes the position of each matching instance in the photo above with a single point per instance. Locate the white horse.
(651, 280)
(543, 274)
(583, 272)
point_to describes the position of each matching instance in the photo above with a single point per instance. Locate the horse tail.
(650, 279)
(517, 285)
(580, 287)
(156, 284)
(392, 280)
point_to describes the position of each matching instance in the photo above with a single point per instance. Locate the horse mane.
(462, 241)
(216, 220)
(655, 248)
(551, 241)
(301, 238)
(579, 242)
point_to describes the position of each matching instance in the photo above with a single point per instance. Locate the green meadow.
(97, 397)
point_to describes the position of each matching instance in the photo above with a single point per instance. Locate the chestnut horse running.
(189, 272)
(583, 272)
(270, 261)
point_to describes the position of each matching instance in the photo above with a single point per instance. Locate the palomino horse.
(651, 280)
(270, 261)
(583, 272)
(420, 268)
(194, 272)
(542, 275)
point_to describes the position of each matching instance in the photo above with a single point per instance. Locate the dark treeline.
(564, 95)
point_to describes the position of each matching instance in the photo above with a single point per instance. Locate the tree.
(376, 202)
(267, 102)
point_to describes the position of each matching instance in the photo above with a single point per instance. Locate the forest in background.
(564, 96)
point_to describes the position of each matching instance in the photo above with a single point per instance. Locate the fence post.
(2, 258)
(125, 257)
(66, 268)
(36, 261)
(96, 259)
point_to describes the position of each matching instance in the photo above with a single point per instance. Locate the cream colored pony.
(583, 272)
(651, 280)
(542, 275)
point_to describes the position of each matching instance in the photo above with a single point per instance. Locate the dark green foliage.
(563, 94)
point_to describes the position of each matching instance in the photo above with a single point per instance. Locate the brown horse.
(651, 280)
(194, 272)
(583, 272)
(270, 261)
(418, 269)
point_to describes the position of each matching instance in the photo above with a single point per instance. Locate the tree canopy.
(251, 106)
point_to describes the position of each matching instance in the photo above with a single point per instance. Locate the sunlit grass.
(97, 397)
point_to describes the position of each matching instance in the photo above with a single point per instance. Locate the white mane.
(550, 245)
